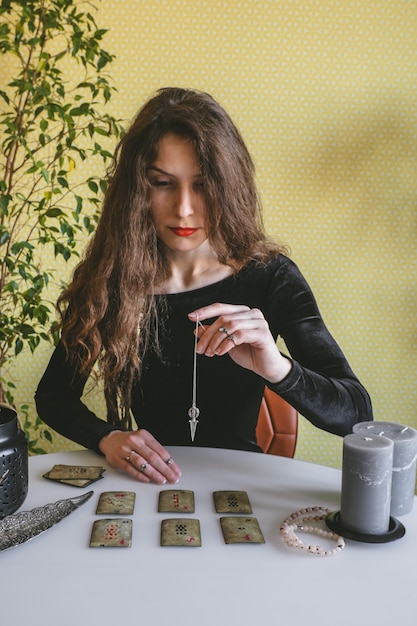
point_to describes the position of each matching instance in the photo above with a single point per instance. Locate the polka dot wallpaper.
(325, 94)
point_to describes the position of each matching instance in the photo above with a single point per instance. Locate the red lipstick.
(184, 232)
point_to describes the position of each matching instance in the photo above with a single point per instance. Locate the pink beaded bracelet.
(302, 520)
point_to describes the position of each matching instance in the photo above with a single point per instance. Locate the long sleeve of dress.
(59, 404)
(321, 384)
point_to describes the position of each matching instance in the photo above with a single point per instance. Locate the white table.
(57, 579)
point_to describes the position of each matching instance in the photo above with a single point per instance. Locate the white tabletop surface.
(57, 579)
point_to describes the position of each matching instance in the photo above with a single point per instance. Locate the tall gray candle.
(366, 483)
(404, 463)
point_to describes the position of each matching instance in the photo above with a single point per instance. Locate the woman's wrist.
(102, 444)
(283, 368)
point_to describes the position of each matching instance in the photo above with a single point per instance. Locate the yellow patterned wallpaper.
(325, 93)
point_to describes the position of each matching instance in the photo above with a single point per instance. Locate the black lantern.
(13, 462)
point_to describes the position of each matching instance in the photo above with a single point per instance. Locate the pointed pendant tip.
(193, 427)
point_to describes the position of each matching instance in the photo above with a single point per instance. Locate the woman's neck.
(193, 271)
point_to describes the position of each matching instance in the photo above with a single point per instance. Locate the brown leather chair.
(277, 425)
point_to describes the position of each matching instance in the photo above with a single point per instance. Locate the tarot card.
(111, 533)
(74, 483)
(180, 532)
(116, 503)
(232, 502)
(90, 472)
(241, 530)
(175, 501)
(75, 475)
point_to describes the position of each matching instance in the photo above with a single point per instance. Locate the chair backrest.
(277, 427)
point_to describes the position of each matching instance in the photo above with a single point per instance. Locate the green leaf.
(4, 204)
(79, 205)
(81, 110)
(102, 62)
(4, 237)
(34, 449)
(54, 212)
(92, 185)
(4, 96)
(25, 329)
(63, 182)
(18, 246)
(101, 131)
(47, 435)
(18, 346)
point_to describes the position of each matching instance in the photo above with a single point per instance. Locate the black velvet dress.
(320, 385)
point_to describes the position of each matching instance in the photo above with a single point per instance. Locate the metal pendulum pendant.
(194, 411)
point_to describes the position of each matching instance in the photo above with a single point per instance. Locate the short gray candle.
(366, 483)
(404, 463)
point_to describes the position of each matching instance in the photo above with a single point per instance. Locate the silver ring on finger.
(128, 459)
(143, 467)
(222, 329)
(169, 461)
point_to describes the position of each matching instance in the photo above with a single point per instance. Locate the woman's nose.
(185, 201)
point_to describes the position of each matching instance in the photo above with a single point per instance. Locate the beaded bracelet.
(301, 520)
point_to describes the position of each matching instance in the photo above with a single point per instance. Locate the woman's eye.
(160, 183)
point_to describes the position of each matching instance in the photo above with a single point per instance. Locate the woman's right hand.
(140, 455)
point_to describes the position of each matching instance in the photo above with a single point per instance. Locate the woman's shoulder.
(279, 280)
(276, 265)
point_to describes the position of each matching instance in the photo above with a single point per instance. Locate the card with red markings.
(241, 530)
(181, 532)
(232, 502)
(175, 501)
(116, 503)
(111, 533)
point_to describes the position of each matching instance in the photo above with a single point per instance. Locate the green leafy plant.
(54, 135)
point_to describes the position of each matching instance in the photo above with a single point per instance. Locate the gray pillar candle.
(366, 483)
(404, 463)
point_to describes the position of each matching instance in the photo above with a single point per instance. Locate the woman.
(180, 299)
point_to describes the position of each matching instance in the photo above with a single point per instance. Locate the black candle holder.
(395, 530)
(13, 462)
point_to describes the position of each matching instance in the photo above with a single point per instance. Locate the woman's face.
(177, 195)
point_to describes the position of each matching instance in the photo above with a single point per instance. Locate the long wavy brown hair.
(107, 313)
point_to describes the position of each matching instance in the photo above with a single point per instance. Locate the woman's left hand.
(244, 334)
